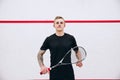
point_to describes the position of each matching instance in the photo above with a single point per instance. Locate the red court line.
(83, 79)
(67, 21)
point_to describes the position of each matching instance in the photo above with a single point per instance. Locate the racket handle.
(48, 69)
(42, 73)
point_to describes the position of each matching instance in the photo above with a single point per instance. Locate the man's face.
(59, 24)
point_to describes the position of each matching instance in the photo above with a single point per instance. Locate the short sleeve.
(45, 44)
(74, 43)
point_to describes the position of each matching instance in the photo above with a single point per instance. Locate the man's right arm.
(40, 57)
(44, 69)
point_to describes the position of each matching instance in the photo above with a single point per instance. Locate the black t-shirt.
(59, 46)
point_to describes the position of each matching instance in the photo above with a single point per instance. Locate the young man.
(58, 44)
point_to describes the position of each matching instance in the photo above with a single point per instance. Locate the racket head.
(73, 56)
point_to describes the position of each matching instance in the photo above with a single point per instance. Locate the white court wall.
(19, 43)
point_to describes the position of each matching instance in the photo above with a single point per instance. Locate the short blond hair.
(58, 17)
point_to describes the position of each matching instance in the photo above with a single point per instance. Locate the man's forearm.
(40, 58)
(78, 55)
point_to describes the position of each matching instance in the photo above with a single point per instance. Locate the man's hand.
(79, 64)
(44, 70)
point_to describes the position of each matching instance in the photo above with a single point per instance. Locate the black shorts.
(62, 73)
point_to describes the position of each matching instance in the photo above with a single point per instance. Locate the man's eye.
(57, 22)
(61, 22)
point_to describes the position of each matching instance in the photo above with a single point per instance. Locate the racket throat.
(67, 63)
(56, 65)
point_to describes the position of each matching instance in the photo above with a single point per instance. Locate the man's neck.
(59, 33)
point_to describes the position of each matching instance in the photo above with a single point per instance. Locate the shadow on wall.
(119, 75)
(118, 2)
(1, 78)
(1, 2)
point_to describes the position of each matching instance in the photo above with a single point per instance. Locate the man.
(58, 44)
